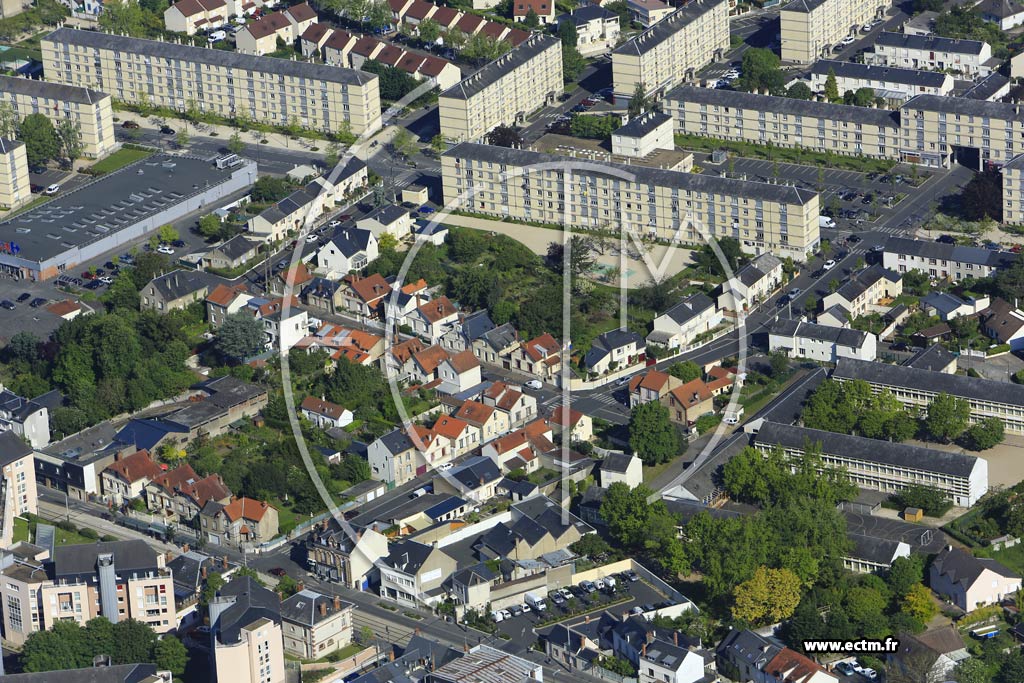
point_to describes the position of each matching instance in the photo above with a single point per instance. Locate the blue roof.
(145, 433)
(444, 507)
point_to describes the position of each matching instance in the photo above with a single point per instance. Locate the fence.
(340, 670)
(606, 675)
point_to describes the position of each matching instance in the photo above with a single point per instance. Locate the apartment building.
(14, 183)
(245, 629)
(935, 131)
(504, 91)
(672, 50)
(314, 624)
(1013, 190)
(597, 29)
(29, 419)
(943, 261)
(784, 122)
(65, 100)
(810, 28)
(671, 205)
(888, 82)
(17, 484)
(882, 465)
(916, 388)
(970, 58)
(117, 580)
(228, 84)
(822, 343)
(644, 135)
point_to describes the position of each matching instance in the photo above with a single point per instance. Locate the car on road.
(333, 224)
(38, 301)
(853, 239)
(179, 244)
(444, 467)
(783, 300)
(829, 265)
(578, 108)
(165, 249)
(945, 239)
(426, 209)
(794, 293)
(278, 571)
(281, 265)
(534, 384)
(589, 102)
(848, 40)
(9, 305)
(312, 237)
(166, 130)
(23, 297)
(52, 189)
(877, 248)
(130, 125)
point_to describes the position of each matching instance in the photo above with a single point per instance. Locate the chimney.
(675, 637)
(391, 655)
(465, 646)
(184, 548)
(417, 630)
(300, 586)
(224, 562)
(337, 603)
(203, 572)
(586, 619)
(100, 661)
(643, 650)
(323, 609)
(650, 636)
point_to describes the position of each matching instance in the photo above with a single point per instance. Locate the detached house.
(581, 427)
(541, 357)
(364, 296)
(614, 350)
(1003, 324)
(324, 414)
(752, 284)
(679, 326)
(127, 478)
(544, 9)
(491, 423)
(432, 319)
(314, 624)
(234, 253)
(243, 520)
(971, 582)
(866, 290)
(474, 480)
(689, 401)
(349, 249)
(394, 459)
(412, 573)
(496, 346)
(388, 219)
(224, 301)
(458, 373)
(174, 291)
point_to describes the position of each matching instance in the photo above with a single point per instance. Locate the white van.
(826, 222)
(217, 35)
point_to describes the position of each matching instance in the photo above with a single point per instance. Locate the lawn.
(286, 517)
(64, 537)
(119, 159)
(1011, 557)
(21, 532)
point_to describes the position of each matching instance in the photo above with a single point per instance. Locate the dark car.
(900, 346)
(783, 300)
(36, 303)
(945, 239)
(867, 199)
(578, 108)
(178, 244)
(166, 130)
(129, 124)
(93, 284)
(853, 239)
(9, 305)
(278, 571)
(25, 296)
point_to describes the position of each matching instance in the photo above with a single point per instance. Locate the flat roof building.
(915, 388)
(228, 84)
(113, 211)
(672, 50)
(882, 465)
(504, 91)
(669, 205)
(90, 109)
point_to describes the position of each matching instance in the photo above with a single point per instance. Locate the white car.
(164, 249)
(731, 75)
(52, 189)
(333, 224)
(534, 384)
(444, 467)
(830, 264)
(106, 280)
(847, 40)
(312, 237)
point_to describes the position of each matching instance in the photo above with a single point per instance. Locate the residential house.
(388, 219)
(174, 291)
(426, 362)
(541, 358)
(286, 217)
(337, 48)
(622, 467)
(743, 655)
(394, 459)
(126, 479)
(313, 39)
(467, 330)
(866, 290)
(349, 249)
(689, 401)
(801, 339)
(597, 29)
(680, 326)
(245, 632)
(356, 346)
(948, 306)
(189, 16)
(290, 279)
(870, 554)
(315, 625)
(412, 573)
(261, 37)
(462, 436)
(652, 385)
(495, 347)
(579, 426)
(536, 528)
(325, 414)
(543, 9)
(649, 12)
(458, 373)
(1003, 323)
(242, 520)
(789, 665)
(347, 558)
(234, 253)
(323, 294)
(519, 408)
(523, 448)
(163, 490)
(432, 319)
(932, 654)
(476, 479)
(1006, 14)
(942, 261)
(284, 323)
(971, 582)
(752, 284)
(400, 361)
(28, 419)
(224, 301)
(614, 350)
(364, 296)
(675, 661)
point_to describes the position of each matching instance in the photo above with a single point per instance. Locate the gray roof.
(118, 673)
(251, 602)
(943, 302)
(666, 28)
(988, 87)
(407, 556)
(476, 470)
(691, 306)
(12, 448)
(179, 283)
(735, 99)
(1000, 8)
(699, 183)
(962, 567)
(747, 646)
(8, 145)
(803, 6)
(910, 41)
(665, 654)
(304, 608)
(867, 450)
(236, 247)
(350, 241)
(837, 312)
(949, 252)
(606, 342)
(872, 548)
(841, 336)
(201, 55)
(935, 357)
(962, 386)
(860, 282)
(586, 14)
(53, 91)
(500, 337)
(492, 72)
(886, 74)
(476, 324)
(616, 462)
(642, 125)
(1003, 111)
(386, 214)
(80, 560)
(396, 441)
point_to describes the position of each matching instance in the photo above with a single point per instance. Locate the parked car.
(945, 239)
(794, 293)
(278, 571)
(130, 125)
(829, 265)
(23, 297)
(516, 610)
(105, 279)
(845, 668)
(52, 189)
(9, 305)
(498, 616)
(534, 384)
(165, 249)
(588, 586)
(166, 130)
(179, 244)
(37, 302)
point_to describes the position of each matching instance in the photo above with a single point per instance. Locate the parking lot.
(636, 594)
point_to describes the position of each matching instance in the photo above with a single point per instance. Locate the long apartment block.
(936, 130)
(672, 50)
(265, 89)
(670, 205)
(504, 91)
(90, 109)
(915, 388)
(15, 189)
(882, 465)
(910, 51)
(784, 122)
(811, 28)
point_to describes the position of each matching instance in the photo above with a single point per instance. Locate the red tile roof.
(268, 25)
(516, 36)
(494, 30)
(474, 412)
(322, 407)
(404, 351)
(557, 416)
(542, 8)
(136, 467)
(410, 63)
(691, 393)
(315, 33)
(420, 9)
(430, 358)
(371, 288)
(366, 46)
(339, 40)
(790, 666)
(445, 16)
(222, 295)
(463, 361)
(190, 8)
(433, 66)
(176, 478)
(246, 508)
(304, 12)
(450, 427)
(470, 23)
(541, 347)
(437, 309)
(390, 55)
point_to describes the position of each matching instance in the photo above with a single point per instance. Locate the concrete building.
(890, 83)
(245, 630)
(228, 84)
(970, 58)
(784, 122)
(810, 28)
(314, 624)
(27, 419)
(670, 205)
(647, 13)
(334, 555)
(113, 211)
(486, 663)
(65, 101)
(971, 582)
(597, 29)
(504, 91)
(871, 555)
(17, 484)
(679, 326)
(800, 339)
(883, 465)
(643, 135)
(1013, 190)
(671, 51)
(15, 188)
(412, 573)
(943, 261)
(118, 580)
(935, 131)
(868, 291)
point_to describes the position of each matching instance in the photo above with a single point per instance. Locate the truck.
(826, 222)
(609, 583)
(536, 602)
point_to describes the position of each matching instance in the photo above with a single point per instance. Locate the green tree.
(182, 138)
(122, 294)
(591, 545)
(1011, 670)
(241, 336)
(438, 143)
(210, 226)
(572, 63)
(354, 469)
(133, 642)
(861, 97)
(800, 91)
(214, 582)
(168, 234)
(170, 655)
(972, 669)
(595, 127)
(568, 34)
(9, 121)
(761, 71)
(948, 417)
(931, 501)
(69, 139)
(769, 596)
(652, 436)
(403, 143)
(685, 370)
(831, 87)
(918, 603)
(905, 573)
(270, 189)
(41, 143)
(481, 48)
(985, 434)
(123, 17)
(531, 20)
(778, 363)
(22, 348)
(60, 647)
(640, 102)
(505, 136)
(235, 144)
(332, 155)
(429, 31)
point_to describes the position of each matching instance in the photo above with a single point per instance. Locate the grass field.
(21, 530)
(119, 159)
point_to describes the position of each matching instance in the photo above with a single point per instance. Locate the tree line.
(44, 142)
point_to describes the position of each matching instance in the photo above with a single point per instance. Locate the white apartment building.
(228, 84)
(888, 82)
(15, 188)
(504, 91)
(644, 135)
(970, 58)
(811, 28)
(822, 343)
(672, 50)
(91, 110)
(882, 465)
(669, 205)
(942, 261)
(597, 29)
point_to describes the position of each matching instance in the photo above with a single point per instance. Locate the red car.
(278, 571)
(86, 275)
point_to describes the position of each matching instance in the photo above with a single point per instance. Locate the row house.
(346, 556)
(242, 520)
(521, 449)
(127, 478)
(260, 37)
(540, 357)
(179, 494)
(356, 346)
(518, 406)
(433, 318)
(341, 48)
